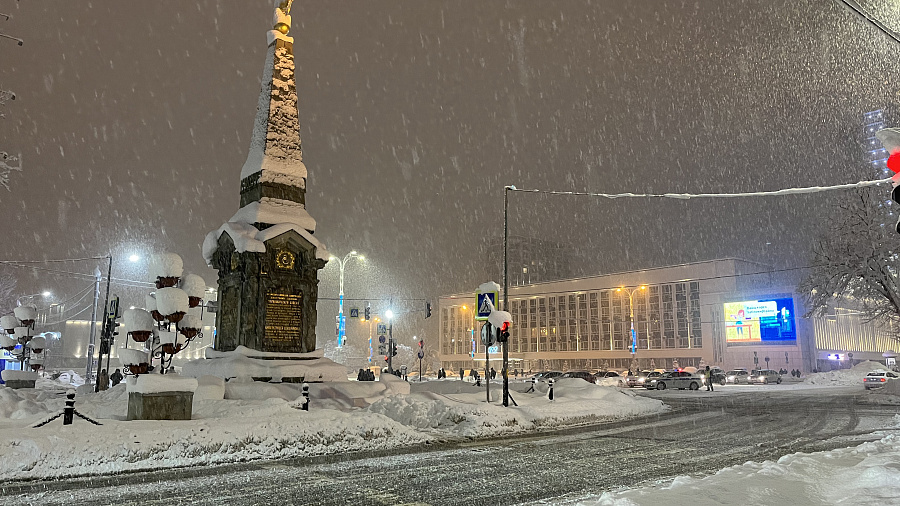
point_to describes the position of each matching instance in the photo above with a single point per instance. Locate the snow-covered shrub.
(23, 332)
(28, 312)
(7, 341)
(138, 320)
(190, 322)
(193, 285)
(130, 356)
(9, 323)
(171, 300)
(150, 302)
(165, 265)
(37, 343)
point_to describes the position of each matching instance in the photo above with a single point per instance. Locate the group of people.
(365, 375)
(794, 372)
(104, 378)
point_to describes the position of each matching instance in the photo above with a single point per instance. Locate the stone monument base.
(20, 383)
(160, 406)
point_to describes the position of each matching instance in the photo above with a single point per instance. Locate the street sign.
(382, 349)
(483, 306)
(493, 350)
(354, 312)
(488, 338)
(382, 339)
(382, 329)
(421, 354)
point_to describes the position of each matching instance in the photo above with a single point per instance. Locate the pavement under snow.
(255, 425)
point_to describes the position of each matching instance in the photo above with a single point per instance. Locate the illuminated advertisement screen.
(769, 321)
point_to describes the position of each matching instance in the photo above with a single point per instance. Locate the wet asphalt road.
(704, 433)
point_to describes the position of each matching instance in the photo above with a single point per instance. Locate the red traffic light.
(893, 162)
(421, 344)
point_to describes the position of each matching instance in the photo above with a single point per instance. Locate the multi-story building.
(530, 260)
(727, 312)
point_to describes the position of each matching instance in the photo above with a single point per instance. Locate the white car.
(679, 380)
(878, 379)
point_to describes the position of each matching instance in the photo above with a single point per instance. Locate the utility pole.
(505, 345)
(90, 348)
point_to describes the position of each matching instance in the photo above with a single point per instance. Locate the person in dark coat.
(461, 374)
(103, 380)
(493, 373)
(116, 377)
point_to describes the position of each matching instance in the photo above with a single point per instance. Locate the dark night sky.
(133, 119)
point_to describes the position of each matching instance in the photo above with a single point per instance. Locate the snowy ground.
(861, 475)
(254, 428)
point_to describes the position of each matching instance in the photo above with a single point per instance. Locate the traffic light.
(393, 349)
(427, 310)
(368, 313)
(890, 139)
(503, 333)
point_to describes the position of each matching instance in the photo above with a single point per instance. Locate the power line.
(856, 8)
(686, 196)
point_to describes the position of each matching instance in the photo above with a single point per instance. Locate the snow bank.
(26, 403)
(868, 474)
(209, 388)
(236, 364)
(157, 383)
(10, 374)
(844, 377)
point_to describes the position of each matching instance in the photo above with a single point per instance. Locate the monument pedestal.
(16, 384)
(160, 406)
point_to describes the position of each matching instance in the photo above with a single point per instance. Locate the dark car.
(717, 375)
(585, 375)
(547, 375)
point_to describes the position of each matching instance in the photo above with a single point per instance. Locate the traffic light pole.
(390, 350)
(505, 344)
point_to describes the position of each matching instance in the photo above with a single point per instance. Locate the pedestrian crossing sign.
(487, 302)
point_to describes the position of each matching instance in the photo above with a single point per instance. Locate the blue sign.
(421, 354)
(382, 329)
(484, 308)
(381, 339)
(354, 313)
(493, 350)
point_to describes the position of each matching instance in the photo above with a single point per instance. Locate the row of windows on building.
(666, 316)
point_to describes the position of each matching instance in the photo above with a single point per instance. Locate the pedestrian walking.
(461, 376)
(103, 380)
(708, 375)
(493, 373)
(116, 377)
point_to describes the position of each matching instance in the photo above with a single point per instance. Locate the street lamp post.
(341, 324)
(390, 316)
(631, 317)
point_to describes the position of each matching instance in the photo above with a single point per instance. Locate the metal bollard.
(305, 406)
(69, 410)
(550, 390)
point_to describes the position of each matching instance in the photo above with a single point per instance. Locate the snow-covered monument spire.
(266, 255)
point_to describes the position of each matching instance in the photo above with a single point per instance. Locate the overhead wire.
(866, 16)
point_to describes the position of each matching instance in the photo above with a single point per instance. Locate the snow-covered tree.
(8, 164)
(857, 257)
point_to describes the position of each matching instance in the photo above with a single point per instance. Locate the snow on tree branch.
(8, 165)
(857, 259)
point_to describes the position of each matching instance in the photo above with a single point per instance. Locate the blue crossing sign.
(354, 312)
(483, 306)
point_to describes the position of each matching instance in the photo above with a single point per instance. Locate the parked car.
(585, 375)
(546, 375)
(607, 374)
(765, 376)
(679, 380)
(737, 377)
(878, 379)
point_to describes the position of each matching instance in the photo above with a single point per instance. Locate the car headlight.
(731, 378)
(641, 380)
(761, 378)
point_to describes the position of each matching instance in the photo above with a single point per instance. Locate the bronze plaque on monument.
(284, 319)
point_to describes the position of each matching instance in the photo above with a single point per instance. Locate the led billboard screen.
(769, 321)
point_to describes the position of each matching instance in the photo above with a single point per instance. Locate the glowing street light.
(341, 321)
(134, 258)
(631, 316)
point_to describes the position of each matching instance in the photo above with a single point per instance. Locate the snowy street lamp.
(631, 317)
(175, 302)
(341, 322)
